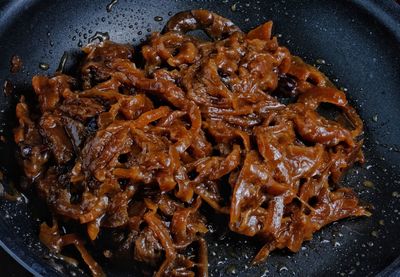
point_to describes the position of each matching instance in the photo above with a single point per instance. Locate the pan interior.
(359, 42)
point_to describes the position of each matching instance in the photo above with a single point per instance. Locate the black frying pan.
(360, 42)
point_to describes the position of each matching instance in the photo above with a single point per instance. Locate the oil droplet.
(368, 184)
(158, 18)
(283, 268)
(63, 61)
(8, 88)
(231, 270)
(44, 66)
(234, 7)
(107, 253)
(320, 61)
(111, 5)
(99, 36)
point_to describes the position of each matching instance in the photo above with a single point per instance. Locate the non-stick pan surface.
(359, 41)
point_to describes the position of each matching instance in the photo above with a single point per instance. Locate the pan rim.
(17, 258)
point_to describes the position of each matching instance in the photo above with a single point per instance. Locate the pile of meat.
(138, 144)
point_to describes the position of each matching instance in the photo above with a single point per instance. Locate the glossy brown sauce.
(139, 149)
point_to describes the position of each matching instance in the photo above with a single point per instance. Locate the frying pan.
(359, 41)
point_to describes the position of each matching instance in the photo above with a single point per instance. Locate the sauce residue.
(8, 88)
(15, 64)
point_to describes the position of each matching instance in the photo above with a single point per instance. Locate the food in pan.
(137, 144)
